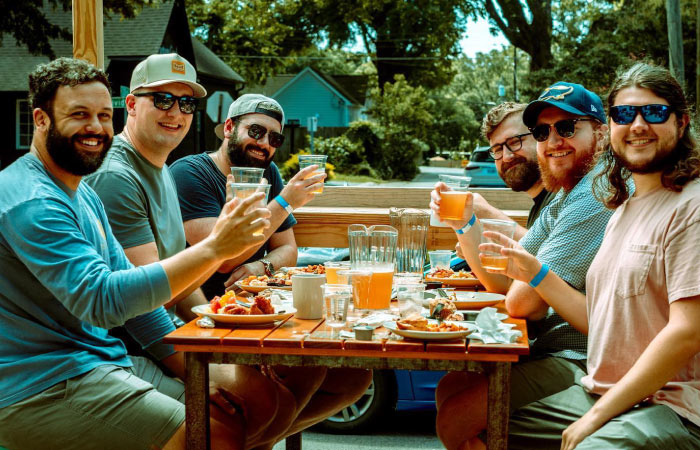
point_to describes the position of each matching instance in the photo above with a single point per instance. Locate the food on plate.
(444, 309)
(226, 304)
(416, 322)
(281, 278)
(449, 273)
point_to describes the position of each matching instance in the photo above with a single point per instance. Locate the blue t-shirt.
(64, 281)
(566, 236)
(201, 188)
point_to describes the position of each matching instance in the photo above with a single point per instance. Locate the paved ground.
(405, 430)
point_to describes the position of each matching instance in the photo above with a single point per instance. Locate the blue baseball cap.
(569, 97)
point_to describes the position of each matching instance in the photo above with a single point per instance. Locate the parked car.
(390, 390)
(482, 169)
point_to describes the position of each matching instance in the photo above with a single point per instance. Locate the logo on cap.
(564, 91)
(178, 67)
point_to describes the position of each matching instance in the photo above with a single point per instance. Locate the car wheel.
(378, 400)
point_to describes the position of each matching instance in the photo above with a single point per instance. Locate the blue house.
(336, 100)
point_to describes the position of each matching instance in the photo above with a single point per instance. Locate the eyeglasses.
(258, 132)
(625, 114)
(565, 128)
(165, 100)
(513, 143)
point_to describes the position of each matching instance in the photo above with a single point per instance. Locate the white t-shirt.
(650, 257)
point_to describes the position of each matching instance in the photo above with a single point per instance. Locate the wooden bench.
(324, 221)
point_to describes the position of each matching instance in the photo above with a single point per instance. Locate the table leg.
(498, 408)
(197, 400)
(293, 442)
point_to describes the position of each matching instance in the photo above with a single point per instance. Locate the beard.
(520, 174)
(239, 157)
(69, 157)
(663, 159)
(554, 181)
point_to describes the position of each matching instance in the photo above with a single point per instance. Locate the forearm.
(566, 301)
(189, 265)
(283, 256)
(279, 215)
(665, 356)
(469, 242)
(183, 309)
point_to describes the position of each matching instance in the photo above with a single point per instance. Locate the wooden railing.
(324, 221)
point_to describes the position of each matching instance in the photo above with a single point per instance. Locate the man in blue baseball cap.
(569, 124)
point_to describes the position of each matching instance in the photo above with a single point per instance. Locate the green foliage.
(347, 155)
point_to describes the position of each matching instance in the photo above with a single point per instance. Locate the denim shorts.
(108, 407)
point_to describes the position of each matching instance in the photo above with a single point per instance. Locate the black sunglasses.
(513, 143)
(258, 132)
(565, 128)
(625, 114)
(165, 100)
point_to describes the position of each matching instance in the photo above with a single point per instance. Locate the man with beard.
(65, 279)
(642, 307)
(251, 134)
(515, 152)
(568, 123)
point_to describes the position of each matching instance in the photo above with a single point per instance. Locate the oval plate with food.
(245, 319)
(257, 289)
(431, 335)
(467, 299)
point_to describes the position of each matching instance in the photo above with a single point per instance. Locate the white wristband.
(469, 224)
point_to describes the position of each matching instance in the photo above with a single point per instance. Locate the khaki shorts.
(107, 408)
(645, 427)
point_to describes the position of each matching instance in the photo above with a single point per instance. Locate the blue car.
(391, 390)
(482, 169)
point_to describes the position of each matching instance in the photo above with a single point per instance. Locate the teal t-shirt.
(64, 279)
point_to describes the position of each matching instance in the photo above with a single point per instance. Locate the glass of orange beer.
(452, 201)
(493, 260)
(332, 268)
(245, 190)
(310, 160)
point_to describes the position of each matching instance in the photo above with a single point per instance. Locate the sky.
(480, 40)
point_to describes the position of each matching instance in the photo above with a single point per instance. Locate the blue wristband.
(283, 203)
(540, 276)
(469, 224)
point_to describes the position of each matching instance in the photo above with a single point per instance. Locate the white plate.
(255, 319)
(431, 335)
(499, 316)
(471, 300)
(257, 289)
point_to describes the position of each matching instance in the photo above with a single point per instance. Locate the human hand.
(435, 206)
(458, 249)
(239, 219)
(243, 271)
(227, 401)
(522, 265)
(299, 190)
(579, 430)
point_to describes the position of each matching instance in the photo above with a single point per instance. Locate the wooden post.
(675, 40)
(88, 41)
(697, 55)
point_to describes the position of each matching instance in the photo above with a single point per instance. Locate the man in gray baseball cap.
(251, 135)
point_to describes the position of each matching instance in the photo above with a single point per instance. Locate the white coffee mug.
(307, 295)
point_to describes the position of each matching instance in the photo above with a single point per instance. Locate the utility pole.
(88, 41)
(675, 39)
(515, 73)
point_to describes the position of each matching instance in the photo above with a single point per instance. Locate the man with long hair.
(642, 306)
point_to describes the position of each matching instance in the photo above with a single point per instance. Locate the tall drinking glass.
(245, 190)
(336, 298)
(309, 160)
(452, 202)
(332, 268)
(493, 260)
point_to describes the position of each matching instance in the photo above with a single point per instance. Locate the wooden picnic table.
(297, 342)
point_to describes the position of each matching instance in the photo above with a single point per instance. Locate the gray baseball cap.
(250, 104)
(160, 69)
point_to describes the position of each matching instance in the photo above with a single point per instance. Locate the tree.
(26, 22)
(526, 25)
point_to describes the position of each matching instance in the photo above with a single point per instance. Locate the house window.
(24, 125)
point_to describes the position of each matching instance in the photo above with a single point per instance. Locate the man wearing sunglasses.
(140, 197)
(251, 135)
(568, 123)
